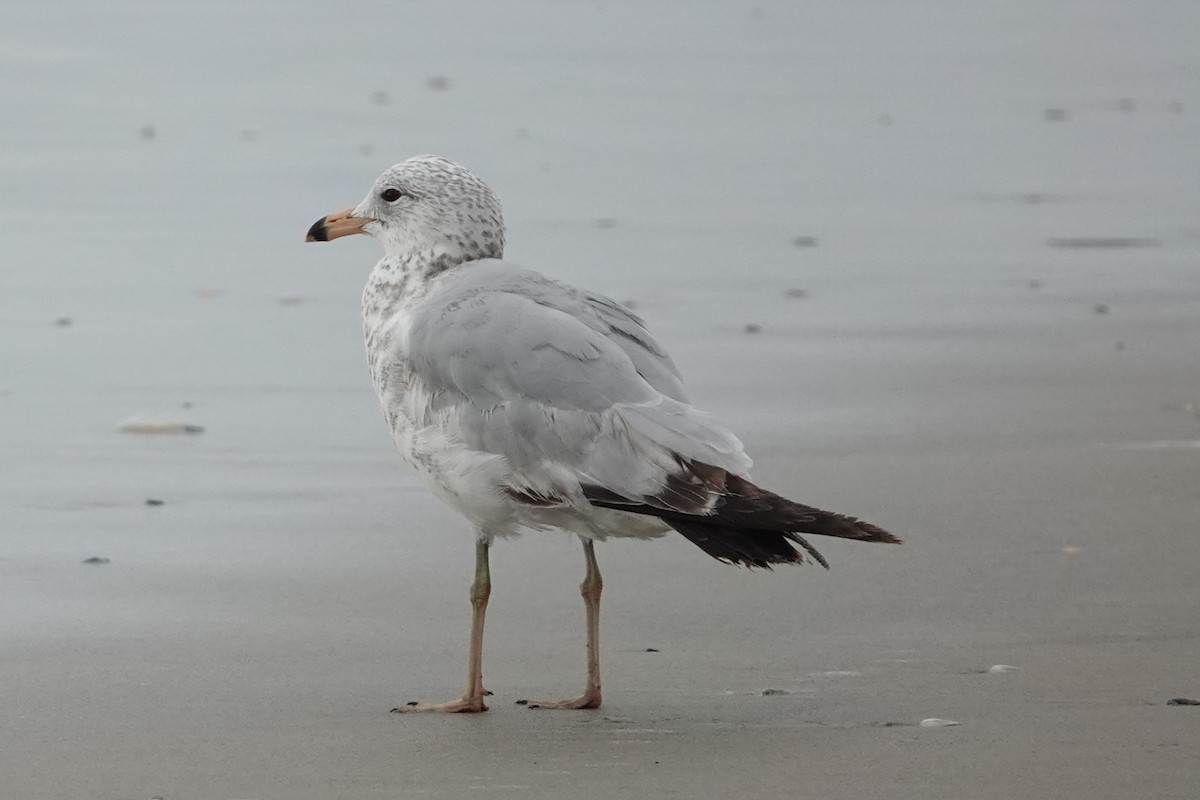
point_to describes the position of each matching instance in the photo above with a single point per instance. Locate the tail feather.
(749, 525)
(753, 548)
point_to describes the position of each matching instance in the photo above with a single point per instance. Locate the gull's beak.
(336, 225)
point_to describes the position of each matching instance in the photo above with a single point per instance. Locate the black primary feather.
(739, 522)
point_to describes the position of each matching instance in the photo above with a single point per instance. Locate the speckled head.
(426, 209)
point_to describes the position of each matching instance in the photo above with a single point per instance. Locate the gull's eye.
(391, 195)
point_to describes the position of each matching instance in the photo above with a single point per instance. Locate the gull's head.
(425, 208)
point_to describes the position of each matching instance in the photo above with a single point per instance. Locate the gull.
(527, 403)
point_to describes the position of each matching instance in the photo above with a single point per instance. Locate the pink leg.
(591, 588)
(472, 699)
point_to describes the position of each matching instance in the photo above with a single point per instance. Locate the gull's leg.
(591, 588)
(472, 699)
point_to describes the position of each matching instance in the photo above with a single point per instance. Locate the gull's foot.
(589, 699)
(463, 705)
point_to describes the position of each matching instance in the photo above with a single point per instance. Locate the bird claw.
(463, 705)
(589, 699)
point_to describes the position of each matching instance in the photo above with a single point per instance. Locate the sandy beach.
(968, 235)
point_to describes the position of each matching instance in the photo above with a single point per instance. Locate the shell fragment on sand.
(936, 722)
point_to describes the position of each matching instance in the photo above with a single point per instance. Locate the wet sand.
(248, 636)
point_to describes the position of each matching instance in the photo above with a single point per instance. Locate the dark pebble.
(521, 703)
(752, 328)
(805, 241)
(606, 223)
(64, 322)
(193, 429)
(1056, 114)
(1101, 308)
(437, 83)
(651, 649)
(148, 132)
(96, 560)
(1183, 701)
(797, 293)
(152, 501)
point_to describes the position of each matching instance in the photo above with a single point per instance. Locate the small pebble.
(209, 294)
(1034, 283)
(437, 83)
(773, 692)
(64, 322)
(797, 293)
(606, 223)
(1183, 701)
(1119, 345)
(96, 560)
(148, 132)
(752, 328)
(1056, 115)
(379, 97)
(1127, 104)
(805, 241)
(1072, 550)
(1100, 308)
(291, 300)
(935, 722)
(153, 501)
(997, 669)
(651, 649)
(365, 150)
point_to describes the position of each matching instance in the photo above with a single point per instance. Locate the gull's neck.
(399, 279)
(397, 283)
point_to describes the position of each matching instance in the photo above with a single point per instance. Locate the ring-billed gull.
(523, 402)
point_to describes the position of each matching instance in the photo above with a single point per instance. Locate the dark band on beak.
(318, 232)
(336, 225)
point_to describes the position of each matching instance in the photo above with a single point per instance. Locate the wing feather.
(568, 387)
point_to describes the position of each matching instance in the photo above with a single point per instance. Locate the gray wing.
(568, 387)
(628, 332)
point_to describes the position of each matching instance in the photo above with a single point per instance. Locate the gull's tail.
(755, 527)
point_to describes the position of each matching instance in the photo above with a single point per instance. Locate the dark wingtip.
(318, 232)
